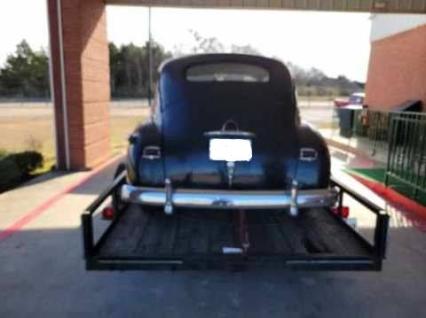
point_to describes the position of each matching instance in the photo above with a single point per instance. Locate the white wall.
(384, 25)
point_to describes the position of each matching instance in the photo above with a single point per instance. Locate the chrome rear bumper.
(228, 199)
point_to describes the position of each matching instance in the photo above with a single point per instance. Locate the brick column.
(80, 82)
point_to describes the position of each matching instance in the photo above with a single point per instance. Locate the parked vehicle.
(225, 137)
(356, 99)
(225, 134)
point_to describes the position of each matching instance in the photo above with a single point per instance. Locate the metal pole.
(52, 88)
(149, 58)
(63, 82)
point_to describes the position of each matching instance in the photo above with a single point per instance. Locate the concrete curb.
(392, 196)
(387, 193)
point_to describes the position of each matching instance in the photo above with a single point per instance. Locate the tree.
(213, 45)
(129, 65)
(114, 65)
(244, 49)
(26, 73)
(206, 45)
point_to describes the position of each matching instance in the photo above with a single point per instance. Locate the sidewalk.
(21, 206)
(43, 275)
(362, 146)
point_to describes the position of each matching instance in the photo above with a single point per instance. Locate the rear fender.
(313, 166)
(144, 168)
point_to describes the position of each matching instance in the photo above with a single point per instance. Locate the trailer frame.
(376, 251)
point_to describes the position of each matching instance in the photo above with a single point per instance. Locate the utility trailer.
(317, 239)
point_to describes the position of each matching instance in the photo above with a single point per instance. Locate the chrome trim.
(294, 208)
(230, 134)
(329, 262)
(228, 199)
(228, 123)
(230, 165)
(304, 157)
(156, 152)
(140, 261)
(168, 206)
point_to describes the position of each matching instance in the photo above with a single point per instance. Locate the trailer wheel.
(117, 203)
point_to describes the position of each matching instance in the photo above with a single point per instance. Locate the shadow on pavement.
(42, 274)
(99, 181)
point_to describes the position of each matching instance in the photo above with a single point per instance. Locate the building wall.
(385, 25)
(397, 69)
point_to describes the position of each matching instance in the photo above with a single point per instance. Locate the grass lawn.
(31, 128)
(121, 128)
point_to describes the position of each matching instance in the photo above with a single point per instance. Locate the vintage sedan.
(225, 134)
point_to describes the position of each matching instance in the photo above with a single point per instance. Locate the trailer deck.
(316, 239)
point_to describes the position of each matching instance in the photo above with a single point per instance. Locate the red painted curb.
(41, 208)
(393, 196)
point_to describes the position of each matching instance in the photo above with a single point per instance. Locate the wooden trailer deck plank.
(315, 232)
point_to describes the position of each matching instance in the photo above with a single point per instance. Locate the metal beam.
(376, 6)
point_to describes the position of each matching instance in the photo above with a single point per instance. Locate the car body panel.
(187, 110)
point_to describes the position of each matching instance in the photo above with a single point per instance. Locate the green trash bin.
(346, 116)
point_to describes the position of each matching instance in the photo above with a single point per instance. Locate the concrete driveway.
(42, 275)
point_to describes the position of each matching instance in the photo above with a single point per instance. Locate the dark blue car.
(225, 134)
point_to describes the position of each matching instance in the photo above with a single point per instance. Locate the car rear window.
(227, 72)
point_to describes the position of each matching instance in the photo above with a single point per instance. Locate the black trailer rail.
(318, 239)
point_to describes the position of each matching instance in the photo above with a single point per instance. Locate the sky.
(336, 43)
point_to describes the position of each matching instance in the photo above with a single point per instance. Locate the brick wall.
(86, 64)
(397, 70)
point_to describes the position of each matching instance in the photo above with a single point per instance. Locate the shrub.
(17, 167)
(27, 161)
(10, 175)
(3, 153)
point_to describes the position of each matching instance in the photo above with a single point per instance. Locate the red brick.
(87, 80)
(95, 112)
(96, 131)
(397, 70)
(94, 91)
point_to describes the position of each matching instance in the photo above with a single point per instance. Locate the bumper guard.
(227, 199)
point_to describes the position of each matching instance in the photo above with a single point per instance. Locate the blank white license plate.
(230, 149)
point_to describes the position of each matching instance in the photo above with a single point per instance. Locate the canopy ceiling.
(386, 6)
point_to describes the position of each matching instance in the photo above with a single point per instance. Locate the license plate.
(230, 150)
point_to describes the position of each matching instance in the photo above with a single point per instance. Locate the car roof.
(188, 60)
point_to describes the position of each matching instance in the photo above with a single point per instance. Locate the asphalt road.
(42, 275)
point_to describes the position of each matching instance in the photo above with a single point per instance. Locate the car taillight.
(343, 211)
(108, 213)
